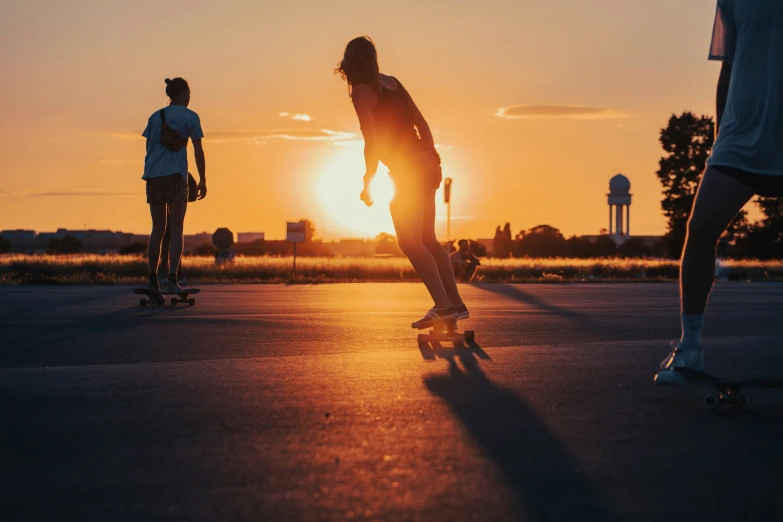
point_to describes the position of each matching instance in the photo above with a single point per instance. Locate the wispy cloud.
(261, 136)
(299, 116)
(574, 112)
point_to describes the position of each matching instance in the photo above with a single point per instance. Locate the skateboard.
(446, 331)
(160, 300)
(728, 391)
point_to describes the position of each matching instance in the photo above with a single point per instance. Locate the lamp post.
(447, 199)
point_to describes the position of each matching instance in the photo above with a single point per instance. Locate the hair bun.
(168, 81)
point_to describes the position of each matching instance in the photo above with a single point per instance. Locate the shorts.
(765, 185)
(167, 189)
(416, 172)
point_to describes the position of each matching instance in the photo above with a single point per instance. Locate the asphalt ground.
(277, 402)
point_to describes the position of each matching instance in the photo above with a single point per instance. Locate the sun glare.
(339, 186)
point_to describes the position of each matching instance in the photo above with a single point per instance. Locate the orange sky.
(82, 77)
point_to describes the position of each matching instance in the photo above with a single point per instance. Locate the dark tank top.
(396, 134)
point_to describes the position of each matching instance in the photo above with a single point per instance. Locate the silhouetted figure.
(464, 262)
(166, 173)
(746, 158)
(396, 133)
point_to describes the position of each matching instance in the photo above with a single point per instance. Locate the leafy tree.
(67, 245)
(763, 239)
(604, 246)
(5, 245)
(477, 248)
(540, 241)
(634, 247)
(501, 243)
(687, 141)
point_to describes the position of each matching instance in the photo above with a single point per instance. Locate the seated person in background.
(464, 262)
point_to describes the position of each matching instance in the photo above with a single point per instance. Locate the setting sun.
(338, 188)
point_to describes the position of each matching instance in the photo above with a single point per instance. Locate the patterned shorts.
(167, 189)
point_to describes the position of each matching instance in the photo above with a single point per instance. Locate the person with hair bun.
(166, 173)
(396, 133)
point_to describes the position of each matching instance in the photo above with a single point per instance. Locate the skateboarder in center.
(166, 173)
(746, 159)
(396, 133)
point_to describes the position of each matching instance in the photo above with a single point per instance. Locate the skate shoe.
(172, 287)
(181, 279)
(153, 287)
(463, 312)
(434, 316)
(679, 357)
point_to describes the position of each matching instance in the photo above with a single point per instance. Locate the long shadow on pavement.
(546, 479)
(529, 299)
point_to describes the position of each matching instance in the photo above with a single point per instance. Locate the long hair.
(360, 64)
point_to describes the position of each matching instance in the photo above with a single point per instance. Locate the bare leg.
(158, 214)
(718, 200)
(165, 246)
(407, 214)
(437, 251)
(176, 224)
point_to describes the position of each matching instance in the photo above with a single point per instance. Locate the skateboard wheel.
(712, 402)
(469, 336)
(191, 301)
(143, 302)
(423, 339)
(173, 301)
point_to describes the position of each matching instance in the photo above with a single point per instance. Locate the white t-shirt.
(749, 35)
(159, 160)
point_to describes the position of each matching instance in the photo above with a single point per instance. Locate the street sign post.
(295, 233)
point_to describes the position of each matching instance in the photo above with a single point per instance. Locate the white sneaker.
(679, 357)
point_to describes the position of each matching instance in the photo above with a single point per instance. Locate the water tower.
(619, 197)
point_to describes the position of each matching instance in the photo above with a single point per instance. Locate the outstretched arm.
(722, 94)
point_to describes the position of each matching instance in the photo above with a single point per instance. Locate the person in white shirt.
(166, 173)
(746, 159)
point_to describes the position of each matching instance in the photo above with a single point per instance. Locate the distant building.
(193, 241)
(249, 237)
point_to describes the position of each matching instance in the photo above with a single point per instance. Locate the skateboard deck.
(160, 300)
(446, 331)
(727, 390)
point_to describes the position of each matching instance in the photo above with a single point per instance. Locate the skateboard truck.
(446, 331)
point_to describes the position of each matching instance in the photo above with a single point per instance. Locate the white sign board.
(295, 232)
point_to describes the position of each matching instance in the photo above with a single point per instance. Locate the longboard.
(158, 299)
(727, 390)
(446, 331)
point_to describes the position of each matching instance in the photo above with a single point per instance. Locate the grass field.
(131, 269)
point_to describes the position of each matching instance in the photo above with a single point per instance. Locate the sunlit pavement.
(316, 403)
